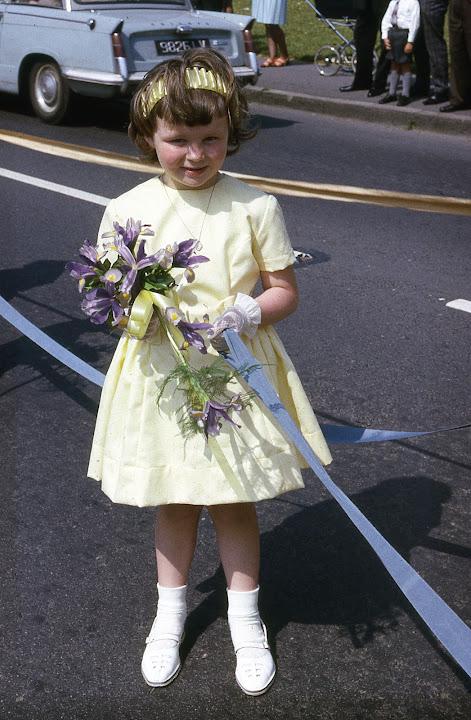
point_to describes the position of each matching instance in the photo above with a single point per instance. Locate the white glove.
(244, 317)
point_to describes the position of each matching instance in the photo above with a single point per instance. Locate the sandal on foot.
(280, 62)
(268, 62)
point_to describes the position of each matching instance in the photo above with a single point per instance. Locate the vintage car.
(51, 49)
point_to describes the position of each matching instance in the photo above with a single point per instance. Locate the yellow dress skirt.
(139, 454)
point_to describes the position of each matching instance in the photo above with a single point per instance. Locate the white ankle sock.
(244, 619)
(171, 612)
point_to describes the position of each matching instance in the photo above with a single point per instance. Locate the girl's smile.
(191, 156)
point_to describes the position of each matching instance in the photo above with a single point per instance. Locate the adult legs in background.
(364, 38)
(422, 65)
(277, 49)
(459, 19)
(433, 19)
(381, 74)
(365, 33)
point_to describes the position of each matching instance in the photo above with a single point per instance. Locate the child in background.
(398, 30)
(187, 115)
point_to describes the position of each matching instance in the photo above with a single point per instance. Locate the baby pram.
(339, 16)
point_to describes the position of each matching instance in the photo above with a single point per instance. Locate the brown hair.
(189, 106)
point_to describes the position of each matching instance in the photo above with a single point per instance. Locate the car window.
(180, 3)
(43, 3)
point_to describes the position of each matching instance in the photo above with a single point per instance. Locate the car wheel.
(48, 92)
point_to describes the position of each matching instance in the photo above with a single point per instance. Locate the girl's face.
(191, 157)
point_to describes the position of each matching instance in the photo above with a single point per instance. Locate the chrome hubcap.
(47, 88)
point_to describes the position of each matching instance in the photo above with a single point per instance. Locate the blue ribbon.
(48, 344)
(445, 624)
(452, 632)
(334, 434)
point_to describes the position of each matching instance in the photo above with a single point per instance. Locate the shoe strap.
(153, 637)
(241, 640)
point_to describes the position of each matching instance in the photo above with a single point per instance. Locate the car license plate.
(176, 47)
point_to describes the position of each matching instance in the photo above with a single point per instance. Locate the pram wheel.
(348, 57)
(327, 60)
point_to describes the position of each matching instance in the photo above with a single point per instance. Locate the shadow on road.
(318, 570)
(31, 275)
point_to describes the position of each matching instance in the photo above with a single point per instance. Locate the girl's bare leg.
(238, 540)
(239, 546)
(176, 530)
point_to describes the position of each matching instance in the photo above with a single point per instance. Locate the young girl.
(187, 115)
(398, 29)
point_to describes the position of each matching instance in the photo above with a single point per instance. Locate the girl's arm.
(280, 295)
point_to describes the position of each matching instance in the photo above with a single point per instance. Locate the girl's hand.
(243, 317)
(387, 43)
(408, 47)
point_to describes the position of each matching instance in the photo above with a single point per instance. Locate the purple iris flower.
(80, 271)
(98, 303)
(184, 257)
(188, 329)
(212, 414)
(132, 264)
(129, 234)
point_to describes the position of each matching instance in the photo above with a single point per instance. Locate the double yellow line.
(296, 188)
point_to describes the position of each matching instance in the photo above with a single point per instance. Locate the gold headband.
(195, 78)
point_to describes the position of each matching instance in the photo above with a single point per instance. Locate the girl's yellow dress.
(138, 452)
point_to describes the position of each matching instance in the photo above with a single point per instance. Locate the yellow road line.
(296, 188)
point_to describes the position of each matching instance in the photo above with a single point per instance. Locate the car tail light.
(119, 55)
(118, 47)
(249, 45)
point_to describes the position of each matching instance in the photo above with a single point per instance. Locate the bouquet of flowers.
(122, 285)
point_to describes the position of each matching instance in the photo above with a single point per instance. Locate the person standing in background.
(433, 19)
(366, 30)
(459, 22)
(398, 31)
(273, 14)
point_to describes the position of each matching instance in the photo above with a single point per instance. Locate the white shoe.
(161, 660)
(255, 670)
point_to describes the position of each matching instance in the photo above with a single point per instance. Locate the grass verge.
(305, 33)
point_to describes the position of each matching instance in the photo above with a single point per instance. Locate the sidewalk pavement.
(300, 86)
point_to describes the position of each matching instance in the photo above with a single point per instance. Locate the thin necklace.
(180, 217)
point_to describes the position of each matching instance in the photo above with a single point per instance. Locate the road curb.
(406, 117)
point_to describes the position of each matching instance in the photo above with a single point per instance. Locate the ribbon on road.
(445, 624)
(334, 434)
(45, 342)
(337, 434)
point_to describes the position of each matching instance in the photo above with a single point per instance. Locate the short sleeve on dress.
(272, 247)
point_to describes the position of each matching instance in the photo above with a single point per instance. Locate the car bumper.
(108, 84)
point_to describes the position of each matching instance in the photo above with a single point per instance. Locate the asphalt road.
(374, 344)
